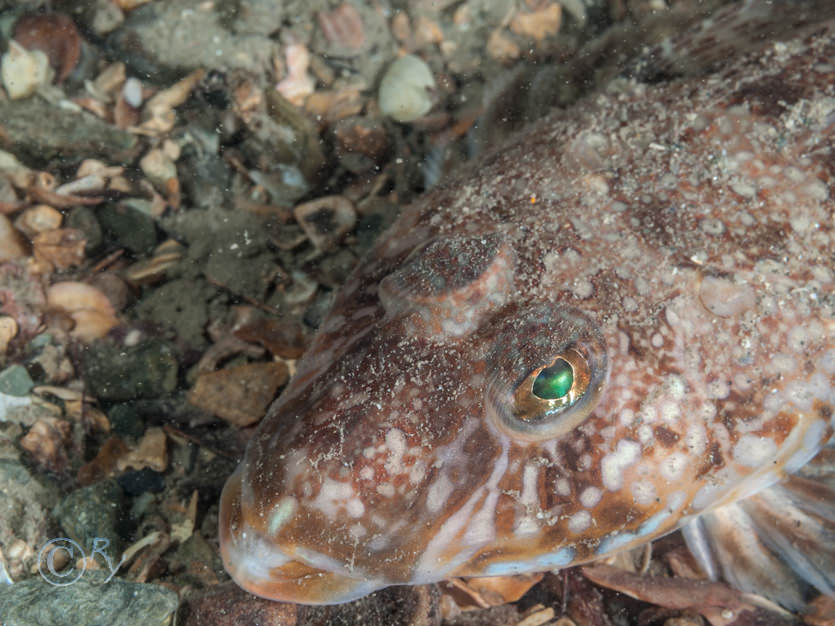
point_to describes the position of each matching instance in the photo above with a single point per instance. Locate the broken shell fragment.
(23, 71)
(88, 307)
(38, 219)
(151, 452)
(405, 90)
(8, 331)
(12, 243)
(148, 271)
(61, 248)
(326, 220)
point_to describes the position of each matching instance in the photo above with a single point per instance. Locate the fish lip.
(257, 564)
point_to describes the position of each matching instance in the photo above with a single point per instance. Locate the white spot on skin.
(712, 226)
(612, 465)
(529, 477)
(333, 497)
(281, 513)
(386, 489)
(396, 446)
(673, 466)
(590, 497)
(562, 488)
(643, 492)
(579, 522)
(718, 389)
(695, 439)
(355, 508)
(583, 289)
(754, 451)
(438, 493)
(357, 531)
(627, 416)
(645, 434)
(669, 412)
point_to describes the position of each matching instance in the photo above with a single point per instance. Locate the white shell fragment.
(23, 71)
(404, 93)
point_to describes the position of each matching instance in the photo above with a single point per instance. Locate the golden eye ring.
(552, 387)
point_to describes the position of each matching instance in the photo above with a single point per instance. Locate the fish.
(619, 323)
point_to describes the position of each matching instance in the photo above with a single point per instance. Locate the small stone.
(132, 92)
(240, 395)
(129, 227)
(89, 600)
(539, 24)
(405, 89)
(15, 381)
(61, 248)
(8, 331)
(12, 244)
(84, 220)
(24, 515)
(158, 167)
(326, 220)
(116, 372)
(38, 219)
(343, 27)
(93, 512)
(501, 47)
(298, 84)
(23, 71)
(55, 35)
(141, 481)
(283, 338)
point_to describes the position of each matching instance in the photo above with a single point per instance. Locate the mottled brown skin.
(680, 235)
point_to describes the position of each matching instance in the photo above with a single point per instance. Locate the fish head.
(453, 427)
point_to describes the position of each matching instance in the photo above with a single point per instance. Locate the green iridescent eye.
(554, 382)
(552, 387)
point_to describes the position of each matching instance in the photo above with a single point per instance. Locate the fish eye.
(546, 372)
(552, 387)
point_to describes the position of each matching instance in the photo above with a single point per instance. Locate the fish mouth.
(258, 565)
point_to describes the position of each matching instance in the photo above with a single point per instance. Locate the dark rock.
(125, 421)
(115, 372)
(165, 41)
(141, 481)
(128, 227)
(40, 132)
(92, 513)
(84, 219)
(88, 601)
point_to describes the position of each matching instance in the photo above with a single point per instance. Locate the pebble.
(23, 71)
(12, 244)
(405, 89)
(93, 512)
(89, 600)
(15, 381)
(240, 395)
(115, 372)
